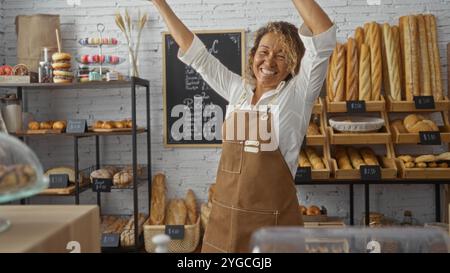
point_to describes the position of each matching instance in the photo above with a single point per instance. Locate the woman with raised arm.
(286, 70)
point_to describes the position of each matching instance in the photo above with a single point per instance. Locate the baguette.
(343, 161)
(375, 60)
(158, 200)
(410, 37)
(191, 206)
(365, 84)
(315, 160)
(351, 90)
(385, 81)
(392, 60)
(369, 156)
(398, 45)
(359, 39)
(303, 160)
(330, 79)
(338, 75)
(424, 67)
(355, 158)
(436, 61)
(176, 212)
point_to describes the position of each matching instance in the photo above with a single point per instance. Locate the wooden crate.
(318, 140)
(422, 173)
(388, 170)
(409, 106)
(341, 106)
(323, 174)
(318, 106)
(414, 138)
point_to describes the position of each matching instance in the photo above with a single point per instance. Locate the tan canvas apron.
(254, 189)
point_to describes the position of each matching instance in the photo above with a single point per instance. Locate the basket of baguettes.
(320, 169)
(173, 212)
(401, 60)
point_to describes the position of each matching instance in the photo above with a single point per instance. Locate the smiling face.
(269, 63)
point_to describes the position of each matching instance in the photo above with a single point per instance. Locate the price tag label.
(356, 106)
(424, 102)
(110, 240)
(76, 126)
(102, 185)
(430, 138)
(175, 232)
(58, 181)
(369, 172)
(303, 174)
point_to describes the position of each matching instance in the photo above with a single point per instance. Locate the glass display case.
(350, 240)
(21, 173)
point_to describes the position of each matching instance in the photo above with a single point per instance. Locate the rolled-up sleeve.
(314, 64)
(217, 75)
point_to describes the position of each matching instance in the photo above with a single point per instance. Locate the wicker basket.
(187, 245)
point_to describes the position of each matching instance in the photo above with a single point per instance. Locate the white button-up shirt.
(295, 99)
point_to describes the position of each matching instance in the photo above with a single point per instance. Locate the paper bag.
(34, 32)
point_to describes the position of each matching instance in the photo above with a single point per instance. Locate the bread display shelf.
(318, 106)
(409, 106)
(341, 106)
(64, 191)
(42, 132)
(414, 138)
(422, 173)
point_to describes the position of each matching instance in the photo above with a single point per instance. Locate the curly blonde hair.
(291, 44)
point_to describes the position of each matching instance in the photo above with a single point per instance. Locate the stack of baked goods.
(309, 158)
(349, 158)
(111, 124)
(59, 125)
(62, 72)
(121, 177)
(15, 177)
(171, 212)
(414, 123)
(426, 161)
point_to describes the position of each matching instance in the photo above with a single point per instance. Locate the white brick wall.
(196, 168)
(2, 46)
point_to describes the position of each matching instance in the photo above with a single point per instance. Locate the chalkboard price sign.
(430, 138)
(370, 172)
(356, 106)
(424, 102)
(175, 232)
(193, 111)
(303, 174)
(102, 185)
(76, 126)
(58, 181)
(110, 240)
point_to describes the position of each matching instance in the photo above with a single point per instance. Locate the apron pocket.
(246, 222)
(218, 230)
(231, 159)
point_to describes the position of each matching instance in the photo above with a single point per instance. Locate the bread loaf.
(385, 78)
(421, 165)
(127, 236)
(359, 39)
(303, 160)
(398, 124)
(398, 45)
(435, 60)
(342, 158)
(410, 36)
(101, 174)
(158, 200)
(425, 158)
(424, 67)
(410, 164)
(313, 211)
(176, 212)
(355, 158)
(352, 71)
(432, 165)
(45, 125)
(443, 165)
(338, 74)
(315, 160)
(406, 158)
(417, 123)
(59, 125)
(122, 179)
(329, 83)
(444, 156)
(191, 206)
(392, 61)
(313, 129)
(375, 60)
(369, 156)
(33, 125)
(365, 83)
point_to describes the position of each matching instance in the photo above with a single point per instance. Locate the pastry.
(303, 160)
(302, 209)
(191, 206)
(365, 84)
(119, 124)
(108, 125)
(410, 165)
(45, 125)
(98, 124)
(313, 129)
(432, 125)
(342, 158)
(158, 200)
(375, 60)
(443, 165)
(443, 156)
(33, 125)
(424, 67)
(352, 71)
(14, 177)
(432, 165)
(410, 36)
(122, 179)
(315, 160)
(313, 211)
(111, 169)
(59, 125)
(176, 212)
(421, 165)
(435, 60)
(369, 156)
(425, 158)
(417, 123)
(392, 61)
(355, 158)
(61, 68)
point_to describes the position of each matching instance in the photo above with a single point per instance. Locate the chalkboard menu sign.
(190, 104)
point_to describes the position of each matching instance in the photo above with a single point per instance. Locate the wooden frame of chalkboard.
(169, 61)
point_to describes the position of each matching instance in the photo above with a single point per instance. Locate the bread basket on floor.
(186, 245)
